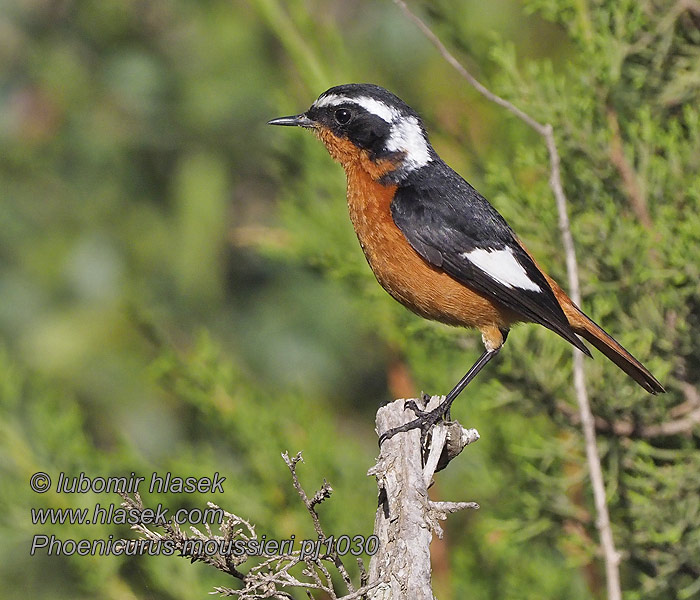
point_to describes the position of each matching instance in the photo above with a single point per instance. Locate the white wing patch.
(502, 266)
(406, 134)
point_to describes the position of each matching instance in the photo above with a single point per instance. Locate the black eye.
(343, 116)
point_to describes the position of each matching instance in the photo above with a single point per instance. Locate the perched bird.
(433, 242)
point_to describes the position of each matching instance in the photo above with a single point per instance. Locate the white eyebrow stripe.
(371, 105)
(502, 266)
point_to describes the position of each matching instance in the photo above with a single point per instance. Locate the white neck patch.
(406, 134)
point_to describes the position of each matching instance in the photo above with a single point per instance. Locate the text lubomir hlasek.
(159, 484)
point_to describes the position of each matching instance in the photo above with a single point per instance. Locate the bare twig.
(325, 492)
(612, 557)
(310, 504)
(482, 89)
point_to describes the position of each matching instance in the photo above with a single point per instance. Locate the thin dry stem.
(324, 493)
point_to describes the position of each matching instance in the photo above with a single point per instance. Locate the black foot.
(425, 421)
(426, 398)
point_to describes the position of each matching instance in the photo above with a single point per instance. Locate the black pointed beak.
(297, 120)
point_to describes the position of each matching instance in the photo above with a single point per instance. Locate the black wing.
(454, 228)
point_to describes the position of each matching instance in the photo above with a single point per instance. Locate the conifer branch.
(629, 178)
(611, 556)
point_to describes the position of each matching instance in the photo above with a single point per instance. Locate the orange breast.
(426, 290)
(401, 271)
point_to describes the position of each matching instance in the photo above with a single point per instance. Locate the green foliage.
(228, 427)
(142, 193)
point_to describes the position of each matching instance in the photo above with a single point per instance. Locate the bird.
(435, 243)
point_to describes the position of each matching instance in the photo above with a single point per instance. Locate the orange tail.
(590, 331)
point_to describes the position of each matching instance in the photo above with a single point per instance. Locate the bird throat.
(353, 158)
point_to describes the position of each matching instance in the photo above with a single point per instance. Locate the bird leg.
(426, 420)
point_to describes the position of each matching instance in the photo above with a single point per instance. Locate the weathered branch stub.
(406, 518)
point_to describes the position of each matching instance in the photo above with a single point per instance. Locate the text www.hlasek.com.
(111, 513)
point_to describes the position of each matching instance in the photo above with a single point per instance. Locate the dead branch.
(323, 494)
(271, 574)
(406, 518)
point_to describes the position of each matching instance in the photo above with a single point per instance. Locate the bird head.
(365, 126)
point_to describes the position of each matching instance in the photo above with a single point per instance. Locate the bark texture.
(406, 518)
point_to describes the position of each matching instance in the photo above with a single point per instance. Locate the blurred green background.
(181, 290)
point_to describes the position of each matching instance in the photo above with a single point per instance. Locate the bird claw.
(425, 421)
(411, 404)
